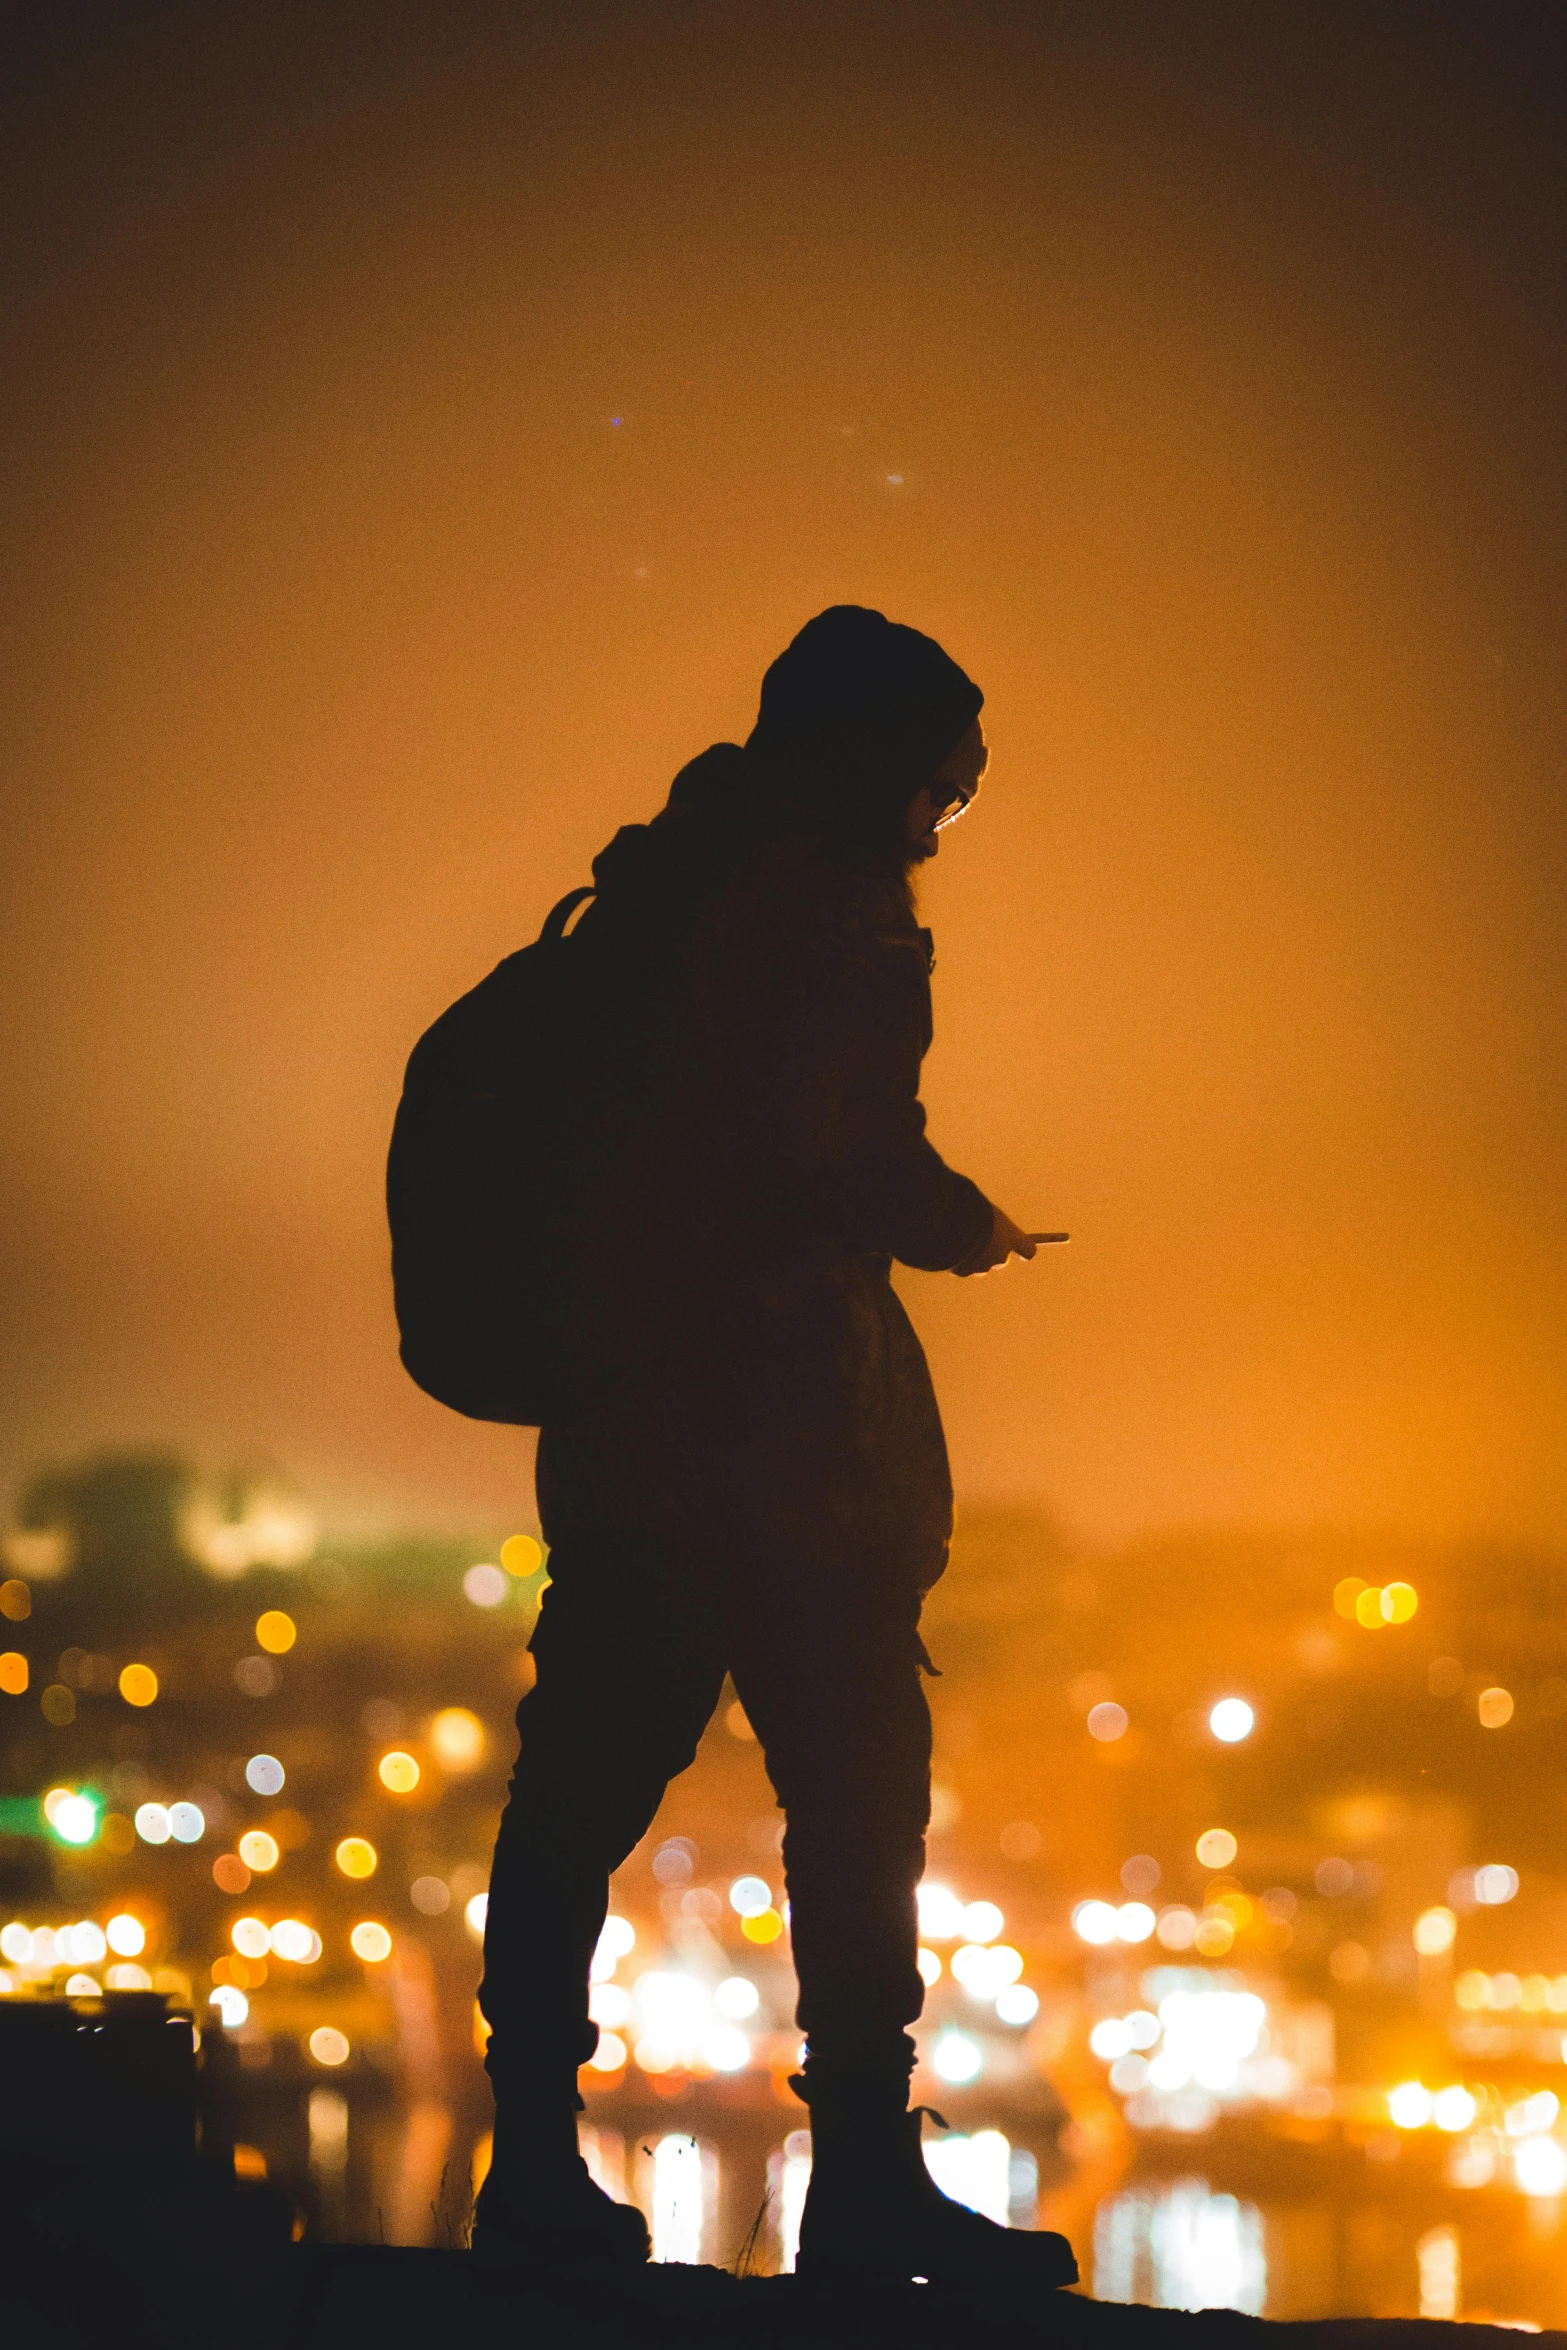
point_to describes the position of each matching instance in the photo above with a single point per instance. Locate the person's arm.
(855, 1143)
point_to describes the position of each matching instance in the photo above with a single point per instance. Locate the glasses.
(965, 795)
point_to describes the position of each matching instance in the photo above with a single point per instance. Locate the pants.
(655, 1594)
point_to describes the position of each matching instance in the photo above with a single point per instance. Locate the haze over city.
(423, 430)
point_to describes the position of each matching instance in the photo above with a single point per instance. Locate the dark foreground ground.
(123, 2226)
(142, 2296)
(399, 2298)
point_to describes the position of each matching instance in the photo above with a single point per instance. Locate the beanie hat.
(863, 709)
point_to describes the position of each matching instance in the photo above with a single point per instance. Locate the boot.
(539, 2209)
(874, 2215)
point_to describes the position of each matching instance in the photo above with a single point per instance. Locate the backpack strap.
(556, 919)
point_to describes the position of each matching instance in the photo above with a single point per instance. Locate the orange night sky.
(424, 423)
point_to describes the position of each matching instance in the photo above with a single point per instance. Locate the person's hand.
(1004, 1240)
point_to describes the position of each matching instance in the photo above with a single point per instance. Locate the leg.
(845, 1730)
(627, 1679)
(846, 1733)
(629, 1668)
(615, 1713)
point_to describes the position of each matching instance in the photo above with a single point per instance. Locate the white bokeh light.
(982, 1921)
(957, 2058)
(941, 1914)
(617, 1939)
(677, 2200)
(1094, 1922)
(1540, 2165)
(1017, 2004)
(1134, 1922)
(75, 1819)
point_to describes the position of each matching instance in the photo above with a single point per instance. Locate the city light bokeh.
(1190, 1946)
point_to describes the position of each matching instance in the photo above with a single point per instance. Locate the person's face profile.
(953, 787)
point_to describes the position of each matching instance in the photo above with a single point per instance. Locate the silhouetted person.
(755, 1480)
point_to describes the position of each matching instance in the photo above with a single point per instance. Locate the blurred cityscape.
(1245, 1926)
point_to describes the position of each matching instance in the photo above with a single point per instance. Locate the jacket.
(752, 1162)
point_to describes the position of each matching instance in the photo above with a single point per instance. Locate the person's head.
(871, 733)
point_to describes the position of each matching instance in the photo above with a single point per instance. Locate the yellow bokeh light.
(610, 2054)
(357, 1857)
(521, 1555)
(1473, 1990)
(458, 1738)
(1216, 1848)
(328, 2045)
(1214, 1935)
(275, 1632)
(399, 1772)
(138, 1684)
(1434, 1931)
(250, 1937)
(13, 1672)
(370, 1941)
(1398, 1602)
(1495, 1708)
(125, 1935)
(1368, 1609)
(16, 1601)
(258, 1850)
(116, 1835)
(1346, 1593)
(764, 1928)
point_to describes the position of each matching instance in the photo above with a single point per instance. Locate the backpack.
(477, 1189)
